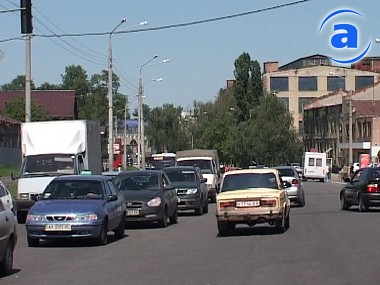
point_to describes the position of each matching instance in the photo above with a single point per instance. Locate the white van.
(314, 166)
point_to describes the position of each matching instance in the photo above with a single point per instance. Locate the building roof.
(59, 103)
(367, 107)
(314, 56)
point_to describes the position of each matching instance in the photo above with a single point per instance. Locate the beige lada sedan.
(252, 196)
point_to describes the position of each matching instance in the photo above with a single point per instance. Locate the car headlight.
(86, 218)
(192, 191)
(35, 218)
(155, 202)
(24, 196)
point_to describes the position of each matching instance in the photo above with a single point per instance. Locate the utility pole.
(140, 126)
(125, 136)
(350, 156)
(27, 28)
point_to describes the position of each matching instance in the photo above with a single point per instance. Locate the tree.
(248, 88)
(17, 84)
(49, 86)
(15, 109)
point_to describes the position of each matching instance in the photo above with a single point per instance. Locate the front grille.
(181, 191)
(134, 204)
(59, 218)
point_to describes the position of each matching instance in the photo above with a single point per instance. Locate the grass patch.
(12, 187)
(7, 170)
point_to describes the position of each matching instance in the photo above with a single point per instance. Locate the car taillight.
(269, 203)
(372, 188)
(227, 204)
(295, 182)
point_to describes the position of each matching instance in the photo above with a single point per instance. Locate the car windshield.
(287, 172)
(249, 180)
(73, 190)
(137, 182)
(204, 165)
(181, 175)
(57, 163)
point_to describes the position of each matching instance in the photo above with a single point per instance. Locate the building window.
(302, 101)
(279, 84)
(335, 83)
(307, 83)
(285, 100)
(363, 82)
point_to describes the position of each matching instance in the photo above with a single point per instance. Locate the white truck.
(208, 162)
(315, 166)
(53, 148)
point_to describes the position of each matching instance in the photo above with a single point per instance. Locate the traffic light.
(26, 16)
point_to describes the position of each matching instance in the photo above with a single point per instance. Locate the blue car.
(77, 206)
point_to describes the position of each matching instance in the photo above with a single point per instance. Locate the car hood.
(140, 195)
(250, 193)
(66, 206)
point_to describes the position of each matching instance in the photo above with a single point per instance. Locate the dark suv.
(191, 188)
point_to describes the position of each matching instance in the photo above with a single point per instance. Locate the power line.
(174, 25)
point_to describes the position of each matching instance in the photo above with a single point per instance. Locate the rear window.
(249, 180)
(287, 172)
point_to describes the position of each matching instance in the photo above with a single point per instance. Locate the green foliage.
(15, 109)
(17, 84)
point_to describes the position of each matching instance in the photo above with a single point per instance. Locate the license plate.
(58, 227)
(133, 212)
(255, 203)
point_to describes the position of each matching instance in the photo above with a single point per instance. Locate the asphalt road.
(322, 246)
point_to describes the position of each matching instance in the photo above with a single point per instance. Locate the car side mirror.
(287, 184)
(347, 179)
(112, 198)
(169, 187)
(203, 180)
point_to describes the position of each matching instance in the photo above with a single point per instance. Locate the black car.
(191, 188)
(362, 189)
(149, 196)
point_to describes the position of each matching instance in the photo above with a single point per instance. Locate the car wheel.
(163, 223)
(119, 231)
(205, 207)
(301, 201)
(279, 224)
(222, 228)
(6, 263)
(363, 207)
(33, 242)
(344, 205)
(199, 210)
(102, 239)
(287, 222)
(174, 218)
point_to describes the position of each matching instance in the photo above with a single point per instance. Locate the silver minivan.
(8, 238)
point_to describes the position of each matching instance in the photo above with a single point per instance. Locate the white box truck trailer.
(54, 148)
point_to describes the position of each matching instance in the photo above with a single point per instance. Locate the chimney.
(270, 66)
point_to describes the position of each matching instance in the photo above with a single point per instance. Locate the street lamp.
(350, 152)
(110, 99)
(140, 113)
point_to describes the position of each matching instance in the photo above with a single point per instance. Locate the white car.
(6, 197)
(8, 238)
(295, 191)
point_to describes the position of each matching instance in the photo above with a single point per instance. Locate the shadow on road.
(251, 231)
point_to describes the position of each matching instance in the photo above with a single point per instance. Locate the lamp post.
(140, 114)
(110, 100)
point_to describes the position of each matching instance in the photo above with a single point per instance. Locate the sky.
(198, 37)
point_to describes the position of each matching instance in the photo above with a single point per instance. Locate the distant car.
(191, 188)
(298, 168)
(363, 189)
(77, 206)
(252, 196)
(295, 191)
(8, 238)
(149, 197)
(6, 197)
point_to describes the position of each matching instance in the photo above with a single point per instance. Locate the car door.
(116, 206)
(6, 225)
(353, 187)
(170, 195)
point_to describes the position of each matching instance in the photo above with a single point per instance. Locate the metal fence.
(10, 156)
